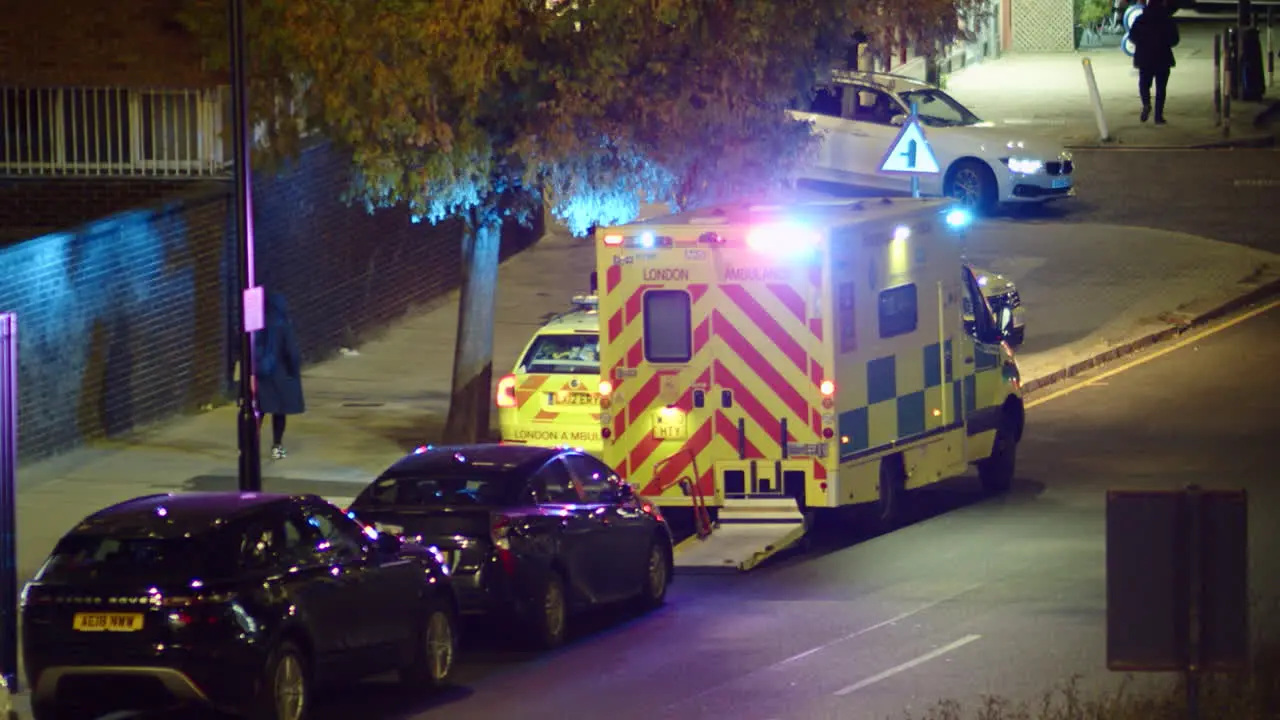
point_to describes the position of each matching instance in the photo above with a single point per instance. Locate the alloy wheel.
(966, 187)
(553, 609)
(657, 573)
(290, 689)
(440, 646)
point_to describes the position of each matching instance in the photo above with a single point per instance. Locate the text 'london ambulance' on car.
(552, 397)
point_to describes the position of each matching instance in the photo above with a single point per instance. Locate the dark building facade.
(117, 227)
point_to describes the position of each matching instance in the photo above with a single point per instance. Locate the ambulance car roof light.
(647, 240)
(613, 240)
(711, 238)
(586, 302)
(791, 239)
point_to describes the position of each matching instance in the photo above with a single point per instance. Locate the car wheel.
(971, 183)
(435, 650)
(893, 488)
(657, 576)
(996, 472)
(284, 691)
(549, 614)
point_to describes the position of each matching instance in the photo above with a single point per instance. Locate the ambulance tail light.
(605, 389)
(613, 241)
(828, 389)
(506, 397)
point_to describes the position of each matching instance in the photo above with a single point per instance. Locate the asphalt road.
(1229, 195)
(977, 596)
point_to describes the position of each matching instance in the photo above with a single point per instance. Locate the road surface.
(977, 596)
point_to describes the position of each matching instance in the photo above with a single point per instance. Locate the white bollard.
(1096, 99)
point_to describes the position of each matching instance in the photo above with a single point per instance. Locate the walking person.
(278, 369)
(1154, 35)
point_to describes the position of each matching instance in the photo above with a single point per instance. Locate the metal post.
(1271, 54)
(247, 425)
(915, 178)
(8, 498)
(1096, 98)
(1217, 79)
(1195, 596)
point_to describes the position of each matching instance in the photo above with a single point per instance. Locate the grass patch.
(1250, 695)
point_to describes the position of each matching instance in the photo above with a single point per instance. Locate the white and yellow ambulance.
(774, 362)
(552, 396)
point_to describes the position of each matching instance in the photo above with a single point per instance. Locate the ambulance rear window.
(576, 354)
(668, 326)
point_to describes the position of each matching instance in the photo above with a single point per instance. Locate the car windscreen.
(938, 109)
(568, 354)
(443, 488)
(88, 558)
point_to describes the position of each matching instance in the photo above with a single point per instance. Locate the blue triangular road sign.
(910, 152)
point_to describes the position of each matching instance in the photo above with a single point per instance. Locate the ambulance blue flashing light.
(647, 240)
(958, 218)
(790, 240)
(586, 302)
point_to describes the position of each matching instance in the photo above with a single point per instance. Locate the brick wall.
(127, 320)
(98, 43)
(32, 206)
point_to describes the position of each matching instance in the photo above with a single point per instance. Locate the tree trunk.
(473, 352)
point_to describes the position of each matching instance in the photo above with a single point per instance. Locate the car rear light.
(652, 510)
(191, 610)
(500, 534)
(507, 392)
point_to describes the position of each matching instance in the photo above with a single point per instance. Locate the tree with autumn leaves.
(485, 109)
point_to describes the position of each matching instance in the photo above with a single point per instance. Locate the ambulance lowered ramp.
(749, 531)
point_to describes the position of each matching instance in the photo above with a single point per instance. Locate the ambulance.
(551, 397)
(766, 365)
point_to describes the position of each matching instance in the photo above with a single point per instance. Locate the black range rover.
(237, 602)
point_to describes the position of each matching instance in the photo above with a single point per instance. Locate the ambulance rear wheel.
(893, 491)
(996, 472)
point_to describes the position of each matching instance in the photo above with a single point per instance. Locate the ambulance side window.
(847, 318)
(668, 326)
(898, 312)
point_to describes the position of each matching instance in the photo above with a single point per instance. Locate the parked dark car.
(233, 602)
(530, 533)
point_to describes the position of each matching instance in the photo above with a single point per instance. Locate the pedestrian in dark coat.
(1154, 35)
(278, 369)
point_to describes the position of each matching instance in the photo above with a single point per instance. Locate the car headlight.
(1025, 166)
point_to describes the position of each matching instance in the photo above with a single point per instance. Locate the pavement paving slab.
(1049, 95)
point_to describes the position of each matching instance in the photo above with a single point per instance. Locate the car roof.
(490, 457)
(178, 514)
(888, 81)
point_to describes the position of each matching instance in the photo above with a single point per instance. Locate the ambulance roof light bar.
(783, 238)
(586, 302)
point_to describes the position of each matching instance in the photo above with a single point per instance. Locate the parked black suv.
(236, 602)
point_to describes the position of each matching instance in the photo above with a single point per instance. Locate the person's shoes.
(1146, 113)
(277, 452)
(1160, 120)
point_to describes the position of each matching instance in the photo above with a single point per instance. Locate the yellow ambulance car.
(552, 396)
(776, 362)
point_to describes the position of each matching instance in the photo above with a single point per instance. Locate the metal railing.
(121, 132)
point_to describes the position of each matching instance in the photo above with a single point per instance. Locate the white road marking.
(884, 623)
(908, 664)
(1257, 182)
(1162, 351)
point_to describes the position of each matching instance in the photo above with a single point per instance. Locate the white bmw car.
(980, 164)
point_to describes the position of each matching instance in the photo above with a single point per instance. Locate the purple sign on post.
(254, 314)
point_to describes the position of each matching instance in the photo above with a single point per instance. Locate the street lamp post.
(250, 475)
